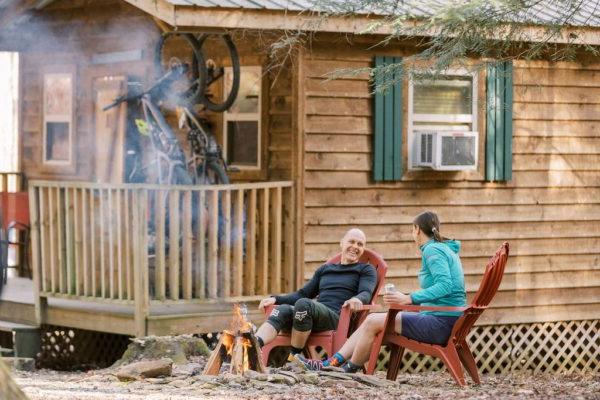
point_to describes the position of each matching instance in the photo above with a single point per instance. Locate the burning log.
(240, 345)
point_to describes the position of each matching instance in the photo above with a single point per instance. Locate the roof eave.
(261, 19)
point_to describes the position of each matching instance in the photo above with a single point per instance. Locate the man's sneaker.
(307, 363)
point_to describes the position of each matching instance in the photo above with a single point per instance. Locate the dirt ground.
(96, 385)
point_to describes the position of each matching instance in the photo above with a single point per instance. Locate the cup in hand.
(389, 288)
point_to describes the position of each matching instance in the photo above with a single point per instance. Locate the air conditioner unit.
(446, 150)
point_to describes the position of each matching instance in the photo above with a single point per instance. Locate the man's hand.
(397, 297)
(266, 302)
(353, 303)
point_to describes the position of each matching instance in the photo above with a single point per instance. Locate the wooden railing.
(140, 244)
(11, 181)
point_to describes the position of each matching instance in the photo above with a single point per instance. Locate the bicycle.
(204, 72)
(207, 164)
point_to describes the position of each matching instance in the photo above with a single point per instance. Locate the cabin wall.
(549, 212)
(68, 33)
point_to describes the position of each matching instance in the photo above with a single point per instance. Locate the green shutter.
(387, 121)
(498, 163)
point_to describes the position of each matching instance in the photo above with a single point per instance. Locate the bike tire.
(214, 175)
(235, 84)
(198, 65)
(219, 172)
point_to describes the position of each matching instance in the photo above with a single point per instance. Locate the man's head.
(353, 245)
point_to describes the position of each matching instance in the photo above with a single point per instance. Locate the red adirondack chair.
(456, 350)
(332, 341)
(14, 214)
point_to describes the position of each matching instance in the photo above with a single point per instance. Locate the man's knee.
(303, 314)
(303, 305)
(281, 317)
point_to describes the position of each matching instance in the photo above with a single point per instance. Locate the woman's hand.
(266, 302)
(397, 297)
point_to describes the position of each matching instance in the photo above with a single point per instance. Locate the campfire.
(238, 345)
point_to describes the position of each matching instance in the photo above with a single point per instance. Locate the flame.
(239, 322)
(228, 342)
(247, 345)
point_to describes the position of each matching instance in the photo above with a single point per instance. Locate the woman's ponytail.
(436, 235)
(429, 223)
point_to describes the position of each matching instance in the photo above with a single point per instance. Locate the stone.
(189, 369)
(291, 375)
(311, 378)
(180, 383)
(371, 381)
(177, 348)
(145, 369)
(337, 375)
(279, 378)
(254, 375)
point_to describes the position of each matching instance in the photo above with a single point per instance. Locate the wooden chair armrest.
(412, 307)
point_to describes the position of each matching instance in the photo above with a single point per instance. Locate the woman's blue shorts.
(427, 328)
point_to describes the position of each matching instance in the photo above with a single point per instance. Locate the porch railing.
(141, 244)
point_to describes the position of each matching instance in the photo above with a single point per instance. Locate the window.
(58, 117)
(242, 122)
(445, 107)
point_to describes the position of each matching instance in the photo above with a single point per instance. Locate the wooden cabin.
(330, 156)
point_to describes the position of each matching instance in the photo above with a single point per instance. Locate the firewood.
(237, 356)
(213, 365)
(255, 356)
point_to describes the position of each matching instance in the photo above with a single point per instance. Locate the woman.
(442, 284)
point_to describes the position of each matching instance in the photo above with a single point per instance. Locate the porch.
(143, 259)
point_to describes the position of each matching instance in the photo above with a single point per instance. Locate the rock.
(311, 378)
(177, 348)
(337, 375)
(279, 378)
(189, 369)
(291, 375)
(230, 378)
(180, 383)
(205, 378)
(157, 381)
(145, 369)
(370, 380)
(257, 376)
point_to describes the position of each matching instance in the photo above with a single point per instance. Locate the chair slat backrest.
(488, 287)
(375, 260)
(491, 278)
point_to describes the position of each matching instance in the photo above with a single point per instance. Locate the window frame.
(473, 118)
(59, 166)
(257, 116)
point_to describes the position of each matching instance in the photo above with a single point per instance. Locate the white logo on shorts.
(300, 315)
(275, 312)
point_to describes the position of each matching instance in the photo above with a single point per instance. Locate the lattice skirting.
(71, 349)
(568, 346)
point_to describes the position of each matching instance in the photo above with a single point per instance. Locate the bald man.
(316, 306)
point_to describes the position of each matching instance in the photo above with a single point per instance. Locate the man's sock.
(293, 352)
(351, 368)
(261, 342)
(334, 361)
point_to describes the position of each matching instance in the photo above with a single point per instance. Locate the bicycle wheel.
(214, 175)
(184, 48)
(218, 70)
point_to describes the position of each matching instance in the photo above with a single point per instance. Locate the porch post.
(140, 261)
(41, 303)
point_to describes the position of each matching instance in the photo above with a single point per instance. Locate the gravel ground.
(53, 385)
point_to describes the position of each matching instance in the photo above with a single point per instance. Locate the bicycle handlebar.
(168, 78)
